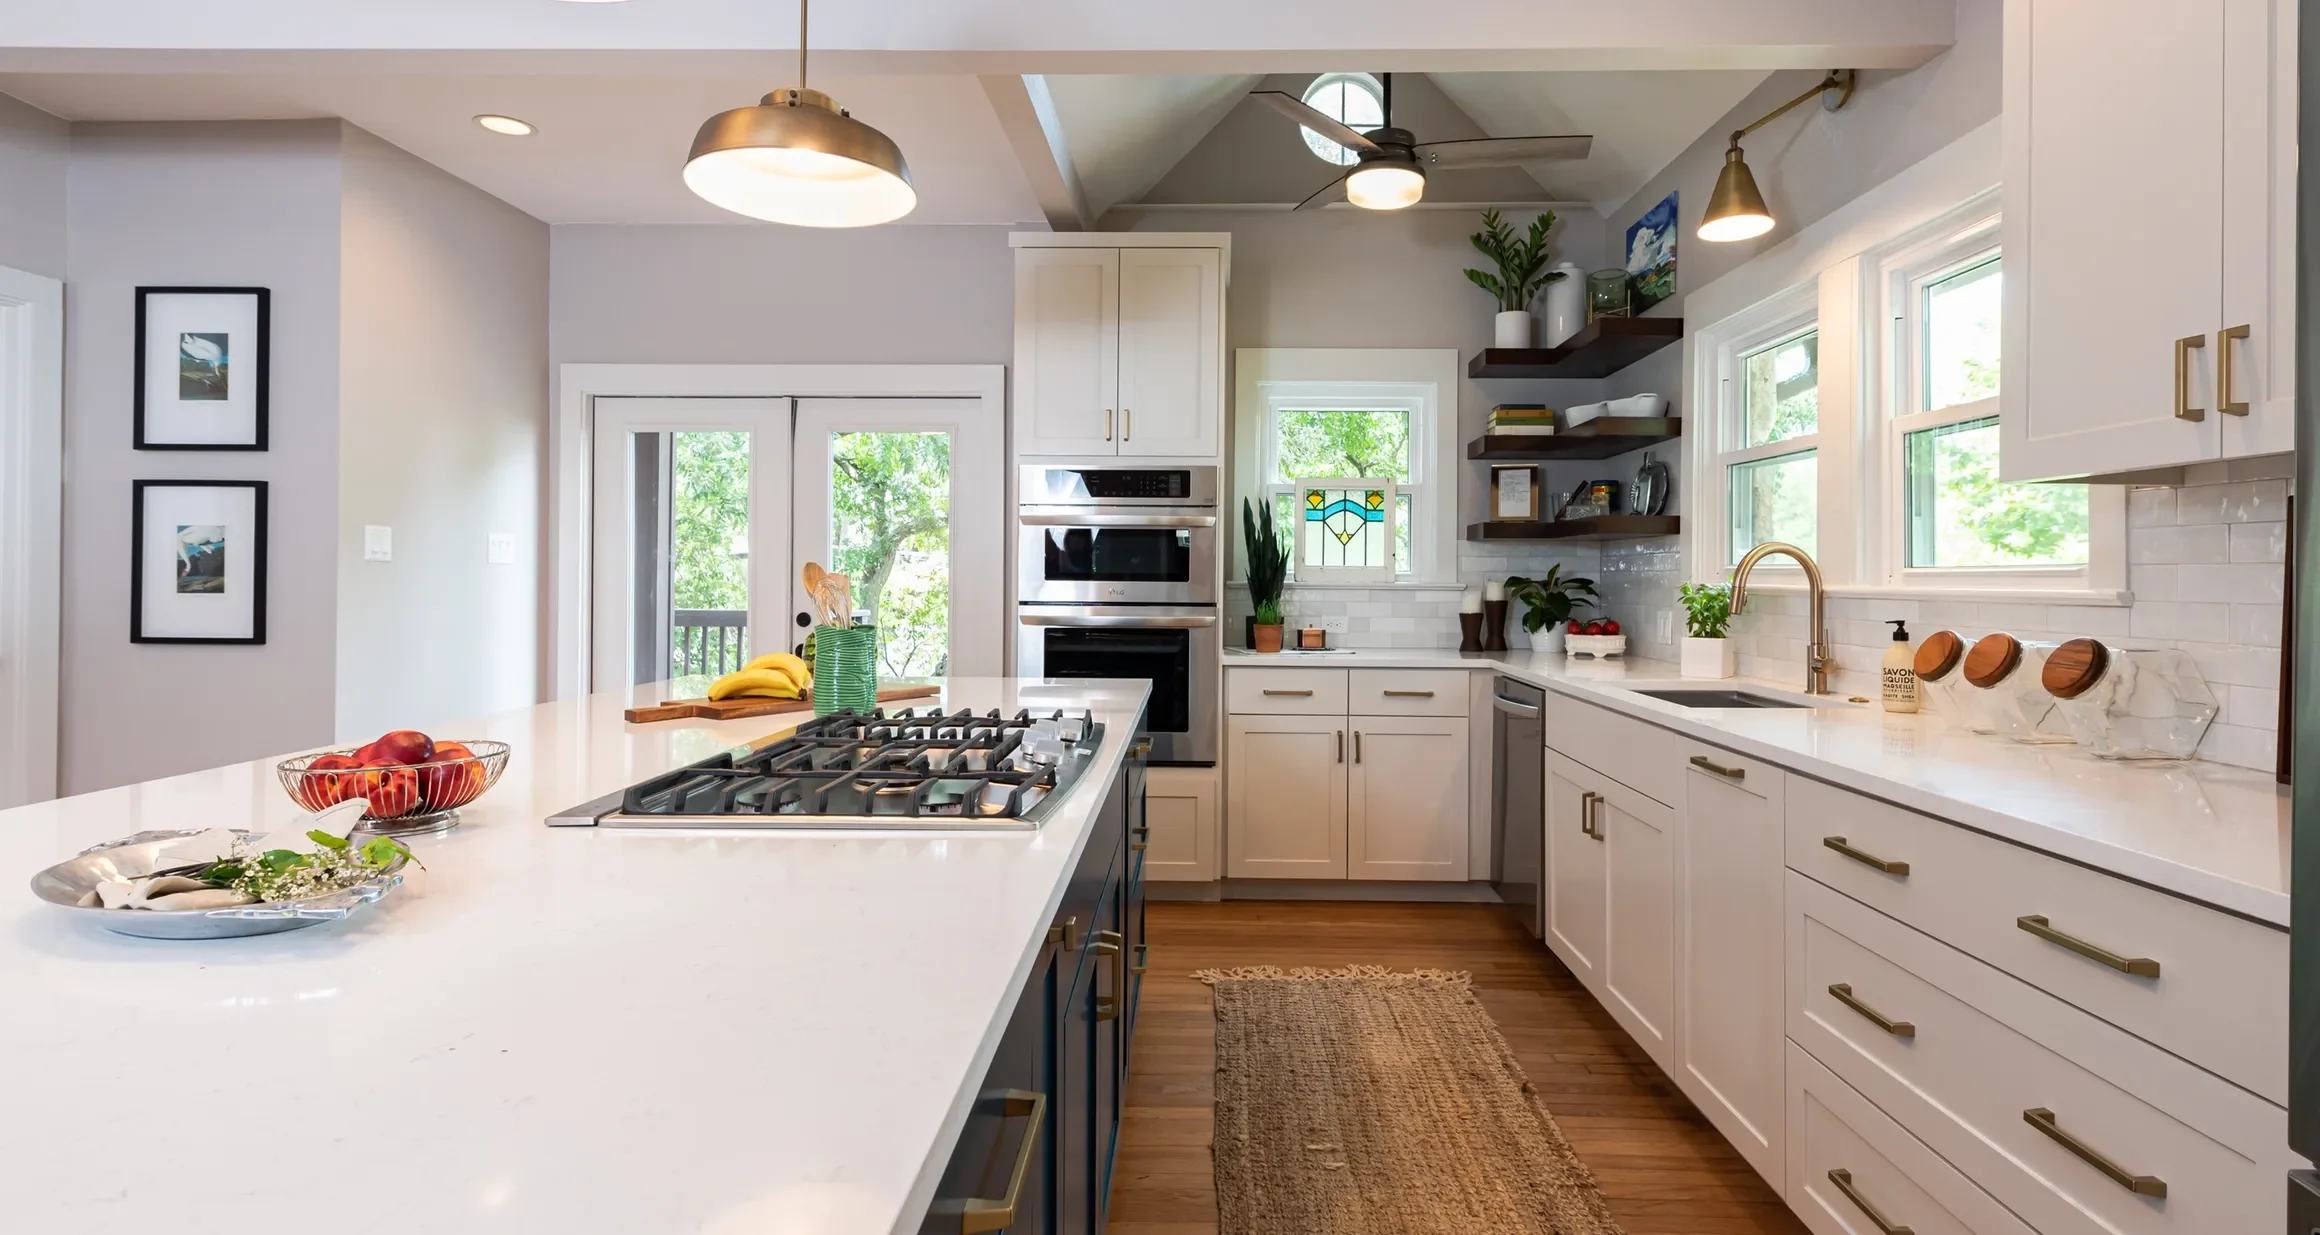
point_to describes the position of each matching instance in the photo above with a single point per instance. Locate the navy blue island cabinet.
(1037, 1152)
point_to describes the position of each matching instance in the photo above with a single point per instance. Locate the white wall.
(242, 205)
(443, 393)
(33, 150)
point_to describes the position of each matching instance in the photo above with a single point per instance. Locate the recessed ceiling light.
(505, 125)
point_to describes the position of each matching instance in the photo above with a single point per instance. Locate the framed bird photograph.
(201, 368)
(197, 561)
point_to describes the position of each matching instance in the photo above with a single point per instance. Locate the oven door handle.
(1083, 520)
(1119, 623)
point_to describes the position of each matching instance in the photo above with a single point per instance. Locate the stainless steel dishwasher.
(1518, 823)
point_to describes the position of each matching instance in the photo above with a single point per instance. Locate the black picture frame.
(262, 369)
(137, 491)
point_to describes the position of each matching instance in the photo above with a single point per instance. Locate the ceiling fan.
(1392, 166)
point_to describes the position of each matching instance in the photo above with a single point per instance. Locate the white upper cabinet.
(1119, 350)
(2149, 234)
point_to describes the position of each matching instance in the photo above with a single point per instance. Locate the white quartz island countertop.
(548, 1030)
(2206, 831)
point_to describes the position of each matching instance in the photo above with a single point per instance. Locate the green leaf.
(326, 840)
(382, 850)
(275, 861)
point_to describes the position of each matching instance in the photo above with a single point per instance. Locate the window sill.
(2107, 597)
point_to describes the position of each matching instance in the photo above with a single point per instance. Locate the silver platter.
(61, 885)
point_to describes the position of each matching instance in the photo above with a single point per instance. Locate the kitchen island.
(548, 1029)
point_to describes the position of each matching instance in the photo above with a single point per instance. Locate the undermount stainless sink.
(1719, 699)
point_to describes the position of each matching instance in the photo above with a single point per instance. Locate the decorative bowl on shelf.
(404, 799)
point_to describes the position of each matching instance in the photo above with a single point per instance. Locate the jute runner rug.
(1362, 1101)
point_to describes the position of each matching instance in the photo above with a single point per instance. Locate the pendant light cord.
(802, 5)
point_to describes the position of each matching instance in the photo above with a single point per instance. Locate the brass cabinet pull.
(1341, 746)
(2224, 372)
(1866, 859)
(2141, 1185)
(1127, 419)
(1843, 1179)
(1143, 959)
(1844, 995)
(2183, 348)
(2139, 966)
(1107, 424)
(1357, 746)
(1107, 944)
(1141, 749)
(1409, 694)
(1066, 933)
(1271, 693)
(980, 1216)
(1703, 763)
(1587, 813)
(1143, 839)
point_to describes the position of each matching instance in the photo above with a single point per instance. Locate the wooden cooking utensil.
(842, 598)
(744, 709)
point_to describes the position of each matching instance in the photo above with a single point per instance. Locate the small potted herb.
(1707, 621)
(1548, 602)
(1522, 271)
(1267, 562)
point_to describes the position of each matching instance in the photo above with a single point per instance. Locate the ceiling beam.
(1027, 115)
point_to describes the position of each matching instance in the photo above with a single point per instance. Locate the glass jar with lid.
(2003, 679)
(2130, 703)
(1939, 679)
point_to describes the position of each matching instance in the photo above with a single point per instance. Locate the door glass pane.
(1961, 337)
(890, 532)
(1783, 390)
(1961, 515)
(1774, 499)
(708, 549)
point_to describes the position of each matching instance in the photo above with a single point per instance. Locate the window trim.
(1365, 82)
(1724, 348)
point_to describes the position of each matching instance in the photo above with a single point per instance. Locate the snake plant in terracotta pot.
(1266, 560)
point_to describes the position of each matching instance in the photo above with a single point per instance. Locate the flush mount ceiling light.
(798, 158)
(507, 126)
(1388, 181)
(1736, 209)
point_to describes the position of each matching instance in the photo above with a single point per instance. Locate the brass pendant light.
(798, 158)
(1736, 209)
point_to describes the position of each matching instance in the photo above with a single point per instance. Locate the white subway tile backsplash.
(2259, 542)
(2257, 625)
(2198, 542)
(2150, 507)
(2253, 501)
(2092, 621)
(2251, 584)
(2257, 707)
(2165, 619)
(2243, 745)
(2151, 582)
(2224, 665)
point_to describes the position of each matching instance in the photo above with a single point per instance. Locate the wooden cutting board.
(744, 709)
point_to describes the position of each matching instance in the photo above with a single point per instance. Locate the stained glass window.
(1345, 530)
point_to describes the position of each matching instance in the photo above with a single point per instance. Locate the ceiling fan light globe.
(1385, 186)
(799, 162)
(1736, 209)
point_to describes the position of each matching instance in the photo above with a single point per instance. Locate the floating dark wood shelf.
(1600, 438)
(1601, 348)
(1603, 527)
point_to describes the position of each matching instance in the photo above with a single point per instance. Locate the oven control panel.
(1095, 486)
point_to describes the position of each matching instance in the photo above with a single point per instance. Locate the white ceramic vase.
(1514, 329)
(1709, 658)
(1548, 641)
(1566, 304)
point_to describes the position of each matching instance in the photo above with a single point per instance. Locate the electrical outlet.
(1334, 625)
(378, 543)
(499, 548)
(1667, 626)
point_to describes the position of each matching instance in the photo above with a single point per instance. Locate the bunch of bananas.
(775, 675)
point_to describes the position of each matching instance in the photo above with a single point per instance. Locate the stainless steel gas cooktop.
(914, 770)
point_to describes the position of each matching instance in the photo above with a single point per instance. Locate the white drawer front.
(1640, 756)
(1285, 692)
(1408, 692)
(2220, 998)
(1967, 1058)
(1853, 1171)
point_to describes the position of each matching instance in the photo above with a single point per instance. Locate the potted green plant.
(1266, 560)
(1522, 271)
(1548, 602)
(1707, 623)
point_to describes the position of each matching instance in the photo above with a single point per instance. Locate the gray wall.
(443, 393)
(33, 152)
(244, 205)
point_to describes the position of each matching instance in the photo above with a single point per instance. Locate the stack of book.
(1521, 420)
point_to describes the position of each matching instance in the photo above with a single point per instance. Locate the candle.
(1494, 590)
(1470, 601)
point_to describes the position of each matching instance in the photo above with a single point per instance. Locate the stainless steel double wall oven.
(1117, 578)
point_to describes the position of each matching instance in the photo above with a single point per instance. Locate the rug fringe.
(1366, 973)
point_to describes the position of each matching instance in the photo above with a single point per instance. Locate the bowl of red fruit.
(412, 782)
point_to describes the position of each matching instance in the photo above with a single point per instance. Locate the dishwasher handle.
(1511, 708)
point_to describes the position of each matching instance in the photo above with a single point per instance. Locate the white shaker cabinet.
(1406, 815)
(1287, 786)
(1638, 836)
(1578, 887)
(1180, 809)
(2149, 234)
(1119, 345)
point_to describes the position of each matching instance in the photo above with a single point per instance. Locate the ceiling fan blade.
(1503, 151)
(1327, 194)
(1294, 108)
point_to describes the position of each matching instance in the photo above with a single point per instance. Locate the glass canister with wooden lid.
(2130, 703)
(1941, 680)
(2002, 676)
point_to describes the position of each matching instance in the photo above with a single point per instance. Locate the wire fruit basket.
(404, 799)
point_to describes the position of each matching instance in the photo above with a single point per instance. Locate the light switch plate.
(500, 548)
(1667, 625)
(1334, 625)
(378, 543)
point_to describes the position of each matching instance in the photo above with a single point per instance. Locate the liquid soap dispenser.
(1897, 671)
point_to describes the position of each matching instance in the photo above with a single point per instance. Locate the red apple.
(1594, 628)
(392, 788)
(365, 753)
(1610, 627)
(327, 783)
(405, 746)
(452, 777)
(1574, 628)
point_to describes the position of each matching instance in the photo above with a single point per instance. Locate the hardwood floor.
(1663, 1168)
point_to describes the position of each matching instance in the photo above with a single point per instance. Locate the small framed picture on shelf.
(197, 561)
(202, 360)
(1514, 494)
